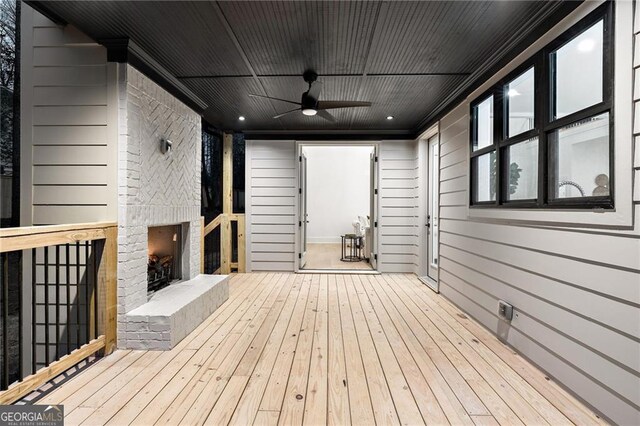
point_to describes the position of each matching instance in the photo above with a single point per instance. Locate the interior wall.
(68, 125)
(575, 289)
(338, 190)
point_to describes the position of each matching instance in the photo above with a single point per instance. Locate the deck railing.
(227, 231)
(65, 309)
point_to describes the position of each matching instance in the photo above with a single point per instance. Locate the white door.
(431, 221)
(303, 215)
(373, 218)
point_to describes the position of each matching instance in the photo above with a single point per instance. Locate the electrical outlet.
(505, 310)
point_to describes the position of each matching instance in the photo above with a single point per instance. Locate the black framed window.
(542, 137)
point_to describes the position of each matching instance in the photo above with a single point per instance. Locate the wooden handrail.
(212, 225)
(27, 237)
(223, 221)
(32, 237)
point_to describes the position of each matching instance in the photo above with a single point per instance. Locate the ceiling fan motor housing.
(308, 102)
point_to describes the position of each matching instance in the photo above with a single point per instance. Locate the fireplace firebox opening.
(164, 265)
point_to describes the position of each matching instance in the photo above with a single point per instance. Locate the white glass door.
(432, 222)
(303, 215)
(373, 220)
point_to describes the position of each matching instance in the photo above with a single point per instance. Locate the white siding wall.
(398, 206)
(636, 107)
(576, 291)
(272, 192)
(271, 205)
(68, 133)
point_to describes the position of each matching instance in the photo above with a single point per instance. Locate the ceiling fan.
(310, 103)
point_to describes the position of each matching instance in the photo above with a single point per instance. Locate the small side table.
(351, 248)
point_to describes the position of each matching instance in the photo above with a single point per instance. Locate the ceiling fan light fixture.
(389, 117)
(309, 111)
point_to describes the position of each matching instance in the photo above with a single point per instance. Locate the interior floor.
(327, 256)
(323, 349)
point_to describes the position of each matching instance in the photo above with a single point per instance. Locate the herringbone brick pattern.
(153, 188)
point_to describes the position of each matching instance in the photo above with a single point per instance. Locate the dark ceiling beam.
(424, 74)
(328, 135)
(125, 50)
(540, 23)
(227, 26)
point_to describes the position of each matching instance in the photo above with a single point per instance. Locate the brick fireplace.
(158, 204)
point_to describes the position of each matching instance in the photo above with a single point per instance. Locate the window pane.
(523, 170)
(581, 155)
(483, 123)
(578, 72)
(520, 103)
(485, 177)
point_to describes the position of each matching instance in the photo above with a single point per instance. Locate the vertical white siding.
(398, 206)
(67, 126)
(575, 291)
(271, 199)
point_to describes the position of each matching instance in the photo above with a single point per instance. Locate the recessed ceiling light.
(241, 118)
(389, 117)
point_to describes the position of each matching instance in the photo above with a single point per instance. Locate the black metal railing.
(64, 308)
(212, 259)
(11, 300)
(63, 311)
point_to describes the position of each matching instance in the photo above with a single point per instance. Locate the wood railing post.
(107, 290)
(227, 203)
(225, 245)
(241, 245)
(227, 173)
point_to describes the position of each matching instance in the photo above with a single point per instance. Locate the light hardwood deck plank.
(338, 406)
(484, 391)
(405, 401)
(247, 408)
(384, 409)
(361, 407)
(292, 411)
(323, 349)
(510, 362)
(446, 397)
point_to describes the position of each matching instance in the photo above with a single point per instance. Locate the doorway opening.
(337, 207)
(430, 194)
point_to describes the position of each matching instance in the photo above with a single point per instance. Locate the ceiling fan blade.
(285, 113)
(315, 89)
(342, 104)
(275, 99)
(324, 114)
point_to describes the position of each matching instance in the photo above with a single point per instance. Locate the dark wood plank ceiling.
(408, 58)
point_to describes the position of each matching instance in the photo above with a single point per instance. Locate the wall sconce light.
(165, 146)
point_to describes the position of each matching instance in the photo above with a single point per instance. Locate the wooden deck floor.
(319, 349)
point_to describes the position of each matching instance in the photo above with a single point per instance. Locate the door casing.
(374, 191)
